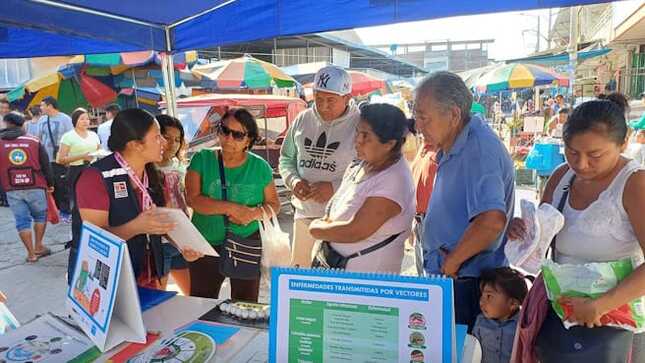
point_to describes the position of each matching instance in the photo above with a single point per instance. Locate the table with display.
(181, 310)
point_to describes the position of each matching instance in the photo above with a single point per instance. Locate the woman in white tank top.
(605, 208)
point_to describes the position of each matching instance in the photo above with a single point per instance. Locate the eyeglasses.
(237, 135)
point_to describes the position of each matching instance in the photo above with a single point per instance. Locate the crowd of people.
(355, 197)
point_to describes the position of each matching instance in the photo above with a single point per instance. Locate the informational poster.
(196, 342)
(45, 339)
(103, 295)
(333, 316)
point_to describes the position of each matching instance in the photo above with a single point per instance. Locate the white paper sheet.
(185, 235)
(7, 320)
(100, 153)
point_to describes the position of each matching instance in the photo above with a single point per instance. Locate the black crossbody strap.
(375, 247)
(222, 178)
(51, 137)
(563, 200)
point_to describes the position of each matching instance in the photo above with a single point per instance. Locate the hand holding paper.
(191, 255)
(185, 236)
(155, 221)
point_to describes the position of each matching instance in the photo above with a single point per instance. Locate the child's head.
(173, 131)
(502, 292)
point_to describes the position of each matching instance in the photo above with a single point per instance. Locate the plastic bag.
(276, 250)
(53, 215)
(541, 226)
(592, 280)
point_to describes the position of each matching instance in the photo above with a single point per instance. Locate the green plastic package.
(590, 281)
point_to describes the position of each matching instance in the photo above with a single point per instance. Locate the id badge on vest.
(21, 177)
(120, 190)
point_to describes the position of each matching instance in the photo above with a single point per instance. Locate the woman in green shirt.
(250, 187)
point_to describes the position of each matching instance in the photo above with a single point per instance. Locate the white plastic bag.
(276, 250)
(541, 226)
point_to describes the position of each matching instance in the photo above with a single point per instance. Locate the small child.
(502, 292)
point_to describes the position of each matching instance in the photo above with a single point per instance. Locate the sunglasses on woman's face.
(237, 135)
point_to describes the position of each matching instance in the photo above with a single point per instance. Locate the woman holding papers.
(120, 192)
(228, 191)
(370, 215)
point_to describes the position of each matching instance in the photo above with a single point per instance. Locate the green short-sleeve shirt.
(246, 185)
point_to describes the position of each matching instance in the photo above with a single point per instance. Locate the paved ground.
(32, 288)
(38, 288)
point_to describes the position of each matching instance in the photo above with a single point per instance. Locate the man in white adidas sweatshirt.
(318, 148)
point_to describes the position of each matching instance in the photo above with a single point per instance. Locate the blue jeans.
(28, 206)
(173, 259)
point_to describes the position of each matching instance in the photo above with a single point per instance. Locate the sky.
(514, 32)
(506, 28)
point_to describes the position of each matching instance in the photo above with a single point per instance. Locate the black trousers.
(467, 296)
(73, 172)
(206, 281)
(61, 188)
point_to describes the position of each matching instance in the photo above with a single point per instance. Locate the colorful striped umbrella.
(244, 73)
(92, 79)
(518, 75)
(73, 92)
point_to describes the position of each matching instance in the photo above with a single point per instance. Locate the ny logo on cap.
(322, 81)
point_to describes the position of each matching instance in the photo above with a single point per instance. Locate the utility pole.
(549, 29)
(537, 44)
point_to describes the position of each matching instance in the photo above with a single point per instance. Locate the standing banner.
(336, 316)
(103, 296)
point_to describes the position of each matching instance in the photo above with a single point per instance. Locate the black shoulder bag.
(239, 256)
(60, 174)
(328, 257)
(604, 344)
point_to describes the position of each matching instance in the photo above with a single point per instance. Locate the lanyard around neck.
(143, 186)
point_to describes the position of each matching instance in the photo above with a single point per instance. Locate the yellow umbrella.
(42, 82)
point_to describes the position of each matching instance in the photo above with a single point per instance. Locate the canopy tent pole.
(169, 83)
(168, 68)
(134, 88)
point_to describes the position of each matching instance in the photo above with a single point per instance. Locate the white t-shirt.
(394, 183)
(104, 131)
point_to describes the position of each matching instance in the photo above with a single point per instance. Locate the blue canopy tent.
(30, 28)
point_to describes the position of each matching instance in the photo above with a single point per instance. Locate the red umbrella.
(362, 83)
(96, 93)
